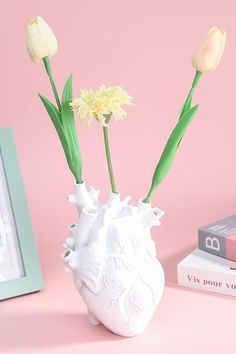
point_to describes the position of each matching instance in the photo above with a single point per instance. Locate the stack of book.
(212, 266)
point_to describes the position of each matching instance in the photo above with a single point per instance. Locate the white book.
(205, 271)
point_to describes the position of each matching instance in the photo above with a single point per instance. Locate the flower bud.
(209, 54)
(40, 39)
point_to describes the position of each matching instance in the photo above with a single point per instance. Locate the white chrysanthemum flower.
(101, 103)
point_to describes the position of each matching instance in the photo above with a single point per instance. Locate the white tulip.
(209, 54)
(40, 39)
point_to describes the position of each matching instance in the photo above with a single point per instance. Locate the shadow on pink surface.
(170, 265)
(40, 330)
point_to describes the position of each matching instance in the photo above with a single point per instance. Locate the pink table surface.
(146, 45)
(54, 321)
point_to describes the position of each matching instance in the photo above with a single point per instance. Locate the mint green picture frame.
(32, 280)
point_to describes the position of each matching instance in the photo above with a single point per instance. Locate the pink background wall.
(147, 47)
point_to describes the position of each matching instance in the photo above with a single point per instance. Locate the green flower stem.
(148, 197)
(49, 72)
(196, 79)
(108, 155)
(186, 107)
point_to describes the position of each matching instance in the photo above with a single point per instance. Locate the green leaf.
(51, 108)
(67, 91)
(181, 110)
(185, 107)
(54, 114)
(171, 147)
(69, 127)
(66, 112)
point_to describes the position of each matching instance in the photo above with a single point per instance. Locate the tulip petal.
(38, 50)
(48, 37)
(40, 39)
(209, 54)
(221, 50)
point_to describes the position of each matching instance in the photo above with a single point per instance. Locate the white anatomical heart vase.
(113, 260)
(110, 250)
